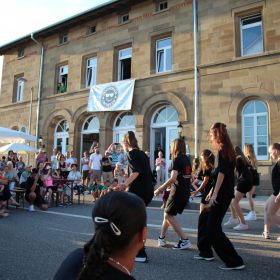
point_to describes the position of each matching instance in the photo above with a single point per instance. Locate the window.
(61, 137)
(161, 5)
(62, 79)
(63, 38)
(91, 29)
(20, 52)
(124, 122)
(164, 55)
(19, 89)
(255, 127)
(124, 18)
(91, 70)
(251, 35)
(124, 64)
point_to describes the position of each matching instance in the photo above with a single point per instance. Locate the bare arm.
(216, 190)
(168, 183)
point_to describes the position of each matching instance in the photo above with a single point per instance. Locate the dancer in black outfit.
(140, 180)
(120, 230)
(210, 233)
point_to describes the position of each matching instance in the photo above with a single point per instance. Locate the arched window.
(255, 127)
(91, 125)
(61, 136)
(167, 114)
(124, 123)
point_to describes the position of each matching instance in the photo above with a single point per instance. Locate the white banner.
(116, 96)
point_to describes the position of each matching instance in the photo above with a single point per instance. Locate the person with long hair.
(243, 186)
(120, 223)
(253, 163)
(207, 164)
(179, 194)
(272, 205)
(210, 233)
(140, 179)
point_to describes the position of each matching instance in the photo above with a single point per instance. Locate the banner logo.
(109, 96)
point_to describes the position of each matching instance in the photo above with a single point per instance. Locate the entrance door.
(171, 134)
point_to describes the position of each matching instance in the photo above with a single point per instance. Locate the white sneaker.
(161, 242)
(241, 227)
(231, 222)
(31, 208)
(251, 216)
(183, 244)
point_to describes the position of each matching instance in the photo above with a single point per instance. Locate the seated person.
(3, 194)
(96, 190)
(25, 174)
(119, 235)
(33, 188)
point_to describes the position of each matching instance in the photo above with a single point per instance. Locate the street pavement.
(34, 244)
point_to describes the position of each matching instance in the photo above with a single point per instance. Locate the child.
(105, 188)
(96, 190)
(207, 165)
(48, 183)
(196, 175)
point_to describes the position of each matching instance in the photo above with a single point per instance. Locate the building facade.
(152, 42)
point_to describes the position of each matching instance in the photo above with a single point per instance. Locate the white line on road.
(238, 234)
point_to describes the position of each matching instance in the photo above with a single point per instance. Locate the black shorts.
(176, 201)
(39, 200)
(244, 187)
(85, 174)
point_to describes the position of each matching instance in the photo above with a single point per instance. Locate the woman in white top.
(160, 168)
(85, 168)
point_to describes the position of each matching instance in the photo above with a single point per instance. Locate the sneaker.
(161, 242)
(251, 216)
(225, 267)
(183, 244)
(31, 208)
(241, 227)
(198, 194)
(266, 235)
(231, 222)
(141, 256)
(199, 257)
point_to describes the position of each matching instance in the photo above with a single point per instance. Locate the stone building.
(151, 41)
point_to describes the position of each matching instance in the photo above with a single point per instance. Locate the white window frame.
(248, 26)
(124, 18)
(119, 131)
(120, 58)
(91, 64)
(160, 4)
(164, 50)
(255, 136)
(63, 70)
(63, 38)
(20, 87)
(64, 135)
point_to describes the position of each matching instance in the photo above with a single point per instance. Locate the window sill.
(161, 11)
(61, 93)
(124, 23)
(21, 57)
(59, 45)
(90, 34)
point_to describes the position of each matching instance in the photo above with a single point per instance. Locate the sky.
(22, 17)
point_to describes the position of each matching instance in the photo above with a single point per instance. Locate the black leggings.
(210, 234)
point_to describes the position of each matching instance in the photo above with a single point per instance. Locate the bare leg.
(173, 222)
(164, 227)
(235, 205)
(270, 210)
(233, 212)
(250, 198)
(201, 207)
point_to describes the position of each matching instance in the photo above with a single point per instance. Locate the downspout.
(195, 80)
(39, 88)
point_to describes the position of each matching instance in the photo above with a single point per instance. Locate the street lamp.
(180, 130)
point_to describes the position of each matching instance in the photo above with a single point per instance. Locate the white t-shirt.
(95, 161)
(68, 162)
(85, 162)
(76, 176)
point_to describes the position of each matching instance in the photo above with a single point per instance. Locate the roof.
(98, 11)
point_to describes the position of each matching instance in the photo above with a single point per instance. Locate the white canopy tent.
(13, 136)
(17, 147)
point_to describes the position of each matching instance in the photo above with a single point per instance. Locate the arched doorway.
(164, 130)
(61, 136)
(124, 123)
(90, 133)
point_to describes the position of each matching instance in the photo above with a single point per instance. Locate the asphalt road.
(34, 244)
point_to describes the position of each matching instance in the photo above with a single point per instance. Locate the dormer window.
(91, 29)
(124, 18)
(20, 52)
(161, 6)
(63, 38)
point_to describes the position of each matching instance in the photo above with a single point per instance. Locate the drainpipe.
(195, 79)
(39, 88)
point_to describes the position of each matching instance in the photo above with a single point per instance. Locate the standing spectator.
(272, 205)
(179, 194)
(33, 191)
(107, 168)
(122, 158)
(69, 161)
(160, 169)
(62, 167)
(140, 180)
(113, 154)
(41, 157)
(85, 168)
(54, 159)
(252, 160)
(20, 166)
(95, 162)
(210, 233)
(157, 150)
(11, 157)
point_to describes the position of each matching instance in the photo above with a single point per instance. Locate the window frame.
(122, 16)
(61, 38)
(255, 116)
(58, 77)
(94, 71)
(19, 91)
(120, 69)
(164, 49)
(20, 53)
(159, 3)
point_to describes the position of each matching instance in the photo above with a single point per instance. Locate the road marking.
(155, 226)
